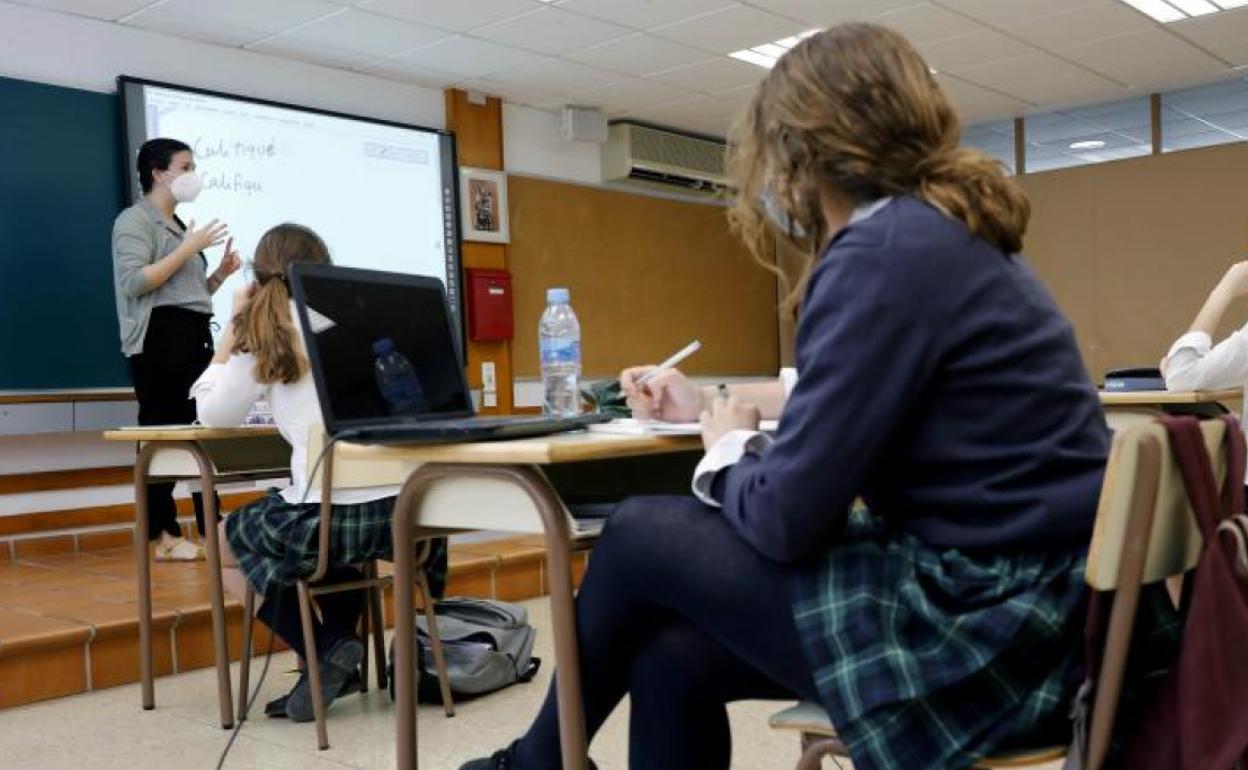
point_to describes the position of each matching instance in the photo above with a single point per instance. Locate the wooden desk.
(211, 455)
(1161, 398)
(495, 486)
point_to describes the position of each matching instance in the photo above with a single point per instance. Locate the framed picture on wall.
(483, 205)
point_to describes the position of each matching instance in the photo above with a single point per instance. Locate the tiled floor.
(106, 730)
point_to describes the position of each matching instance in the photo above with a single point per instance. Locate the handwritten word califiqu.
(235, 183)
(220, 148)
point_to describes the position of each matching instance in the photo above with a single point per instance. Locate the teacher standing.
(164, 306)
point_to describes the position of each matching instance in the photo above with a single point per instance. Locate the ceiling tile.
(112, 10)
(632, 94)
(925, 22)
(822, 13)
(1224, 34)
(395, 69)
(637, 54)
(457, 16)
(1150, 59)
(1003, 12)
(1060, 32)
(550, 31)
(1040, 78)
(465, 56)
(230, 22)
(975, 104)
(712, 75)
(731, 29)
(983, 45)
(555, 77)
(352, 38)
(644, 14)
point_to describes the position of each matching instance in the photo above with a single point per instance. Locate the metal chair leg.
(379, 628)
(365, 622)
(314, 667)
(435, 639)
(244, 662)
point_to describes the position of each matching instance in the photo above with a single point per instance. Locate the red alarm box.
(489, 305)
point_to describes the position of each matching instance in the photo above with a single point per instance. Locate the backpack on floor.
(488, 646)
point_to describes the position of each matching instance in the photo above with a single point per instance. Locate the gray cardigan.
(141, 236)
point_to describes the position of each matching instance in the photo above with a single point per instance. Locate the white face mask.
(185, 187)
(779, 216)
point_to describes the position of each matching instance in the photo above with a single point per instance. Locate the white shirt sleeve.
(224, 393)
(788, 378)
(725, 452)
(1194, 363)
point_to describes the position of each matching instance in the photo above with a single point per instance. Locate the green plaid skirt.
(275, 542)
(931, 658)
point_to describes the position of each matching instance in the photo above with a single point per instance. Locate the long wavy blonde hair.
(854, 109)
(264, 328)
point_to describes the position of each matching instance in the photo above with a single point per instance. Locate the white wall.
(533, 146)
(51, 47)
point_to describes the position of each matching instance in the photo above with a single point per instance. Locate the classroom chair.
(350, 475)
(1145, 532)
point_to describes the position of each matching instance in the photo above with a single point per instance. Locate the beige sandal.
(178, 549)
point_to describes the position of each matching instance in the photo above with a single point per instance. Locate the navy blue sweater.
(938, 381)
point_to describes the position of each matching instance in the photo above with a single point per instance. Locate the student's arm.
(673, 397)
(225, 392)
(867, 351)
(1193, 362)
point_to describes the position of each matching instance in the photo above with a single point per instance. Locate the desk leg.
(144, 572)
(405, 510)
(567, 681)
(220, 640)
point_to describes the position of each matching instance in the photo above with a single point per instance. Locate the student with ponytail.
(937, 382)
(271, 543)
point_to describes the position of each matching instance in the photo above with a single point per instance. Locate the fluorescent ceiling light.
(1088, 144)
(767, 54)
(1177, 10)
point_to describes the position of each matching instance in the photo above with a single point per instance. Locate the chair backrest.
(354, 474)
(1174, 542)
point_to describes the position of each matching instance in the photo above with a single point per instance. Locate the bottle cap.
(383, 346)
(558, 296)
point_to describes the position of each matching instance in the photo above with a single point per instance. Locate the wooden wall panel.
(646, 275)
(479, 143)
(1131, 248)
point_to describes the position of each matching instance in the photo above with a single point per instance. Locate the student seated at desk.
(938, 381)
(1194, 362)
(271, 543)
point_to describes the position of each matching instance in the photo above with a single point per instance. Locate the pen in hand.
(675, 358)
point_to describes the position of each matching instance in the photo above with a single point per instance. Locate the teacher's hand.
(230, 262)
(205, 237)
(725, 416)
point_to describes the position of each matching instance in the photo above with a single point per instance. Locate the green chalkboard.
(60, 189)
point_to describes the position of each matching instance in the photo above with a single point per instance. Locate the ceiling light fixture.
(767, 54)
(1088, 144)
(1167, 11)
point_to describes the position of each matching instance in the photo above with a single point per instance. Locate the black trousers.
(685, 617)
(176, 350)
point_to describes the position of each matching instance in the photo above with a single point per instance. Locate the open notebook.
(630, 427)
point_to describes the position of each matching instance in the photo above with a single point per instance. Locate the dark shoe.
(276, 708)
(504, 759)
(336, 667)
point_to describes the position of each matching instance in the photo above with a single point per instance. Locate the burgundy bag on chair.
(1199, 720)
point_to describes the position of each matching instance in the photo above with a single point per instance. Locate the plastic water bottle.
(397, 381)
(559, 339)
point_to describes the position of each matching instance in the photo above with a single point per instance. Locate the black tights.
(683, 616)
(340, 613)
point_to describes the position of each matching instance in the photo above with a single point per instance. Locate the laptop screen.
(380, 344)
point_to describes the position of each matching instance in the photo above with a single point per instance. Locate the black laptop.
(386, 361)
